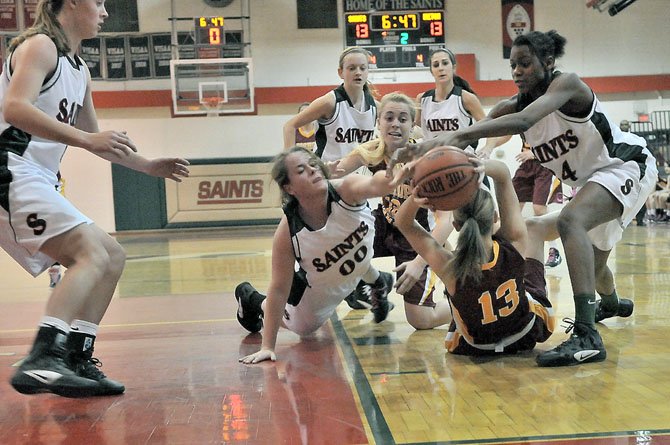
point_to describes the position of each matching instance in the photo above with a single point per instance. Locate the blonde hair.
(374, 152)
(475, 219)
(46, 23)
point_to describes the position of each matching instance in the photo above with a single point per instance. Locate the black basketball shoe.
(87, 366)
(249, 314)
(378, 294)
(583, 346)
(46, 370)
(358, 299)
(624, 309)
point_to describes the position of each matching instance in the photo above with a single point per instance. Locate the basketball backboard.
(212, 86)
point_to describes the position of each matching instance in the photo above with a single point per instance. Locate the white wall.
(633, 42)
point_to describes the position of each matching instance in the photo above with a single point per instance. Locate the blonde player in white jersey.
(322, 248)
(346, 115)
(561, 119)
(46, 106)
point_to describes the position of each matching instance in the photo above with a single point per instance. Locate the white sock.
(54, 323)
(85, 327)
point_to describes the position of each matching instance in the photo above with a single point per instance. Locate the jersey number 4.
(506, 291)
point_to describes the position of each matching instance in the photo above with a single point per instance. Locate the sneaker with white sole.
(378, 293)
(249, 316)
(358, 299)
(584, 346)
(46, 370)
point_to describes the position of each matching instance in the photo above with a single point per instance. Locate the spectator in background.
(624, 125)
(537, 184)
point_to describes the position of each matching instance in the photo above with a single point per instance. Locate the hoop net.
(213, 105)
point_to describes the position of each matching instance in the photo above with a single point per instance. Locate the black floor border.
(375, 418)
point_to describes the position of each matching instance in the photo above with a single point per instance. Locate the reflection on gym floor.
(171, 336)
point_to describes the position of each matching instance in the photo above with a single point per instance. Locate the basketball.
(446, 177)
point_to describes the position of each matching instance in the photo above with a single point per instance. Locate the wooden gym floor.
(172, 337)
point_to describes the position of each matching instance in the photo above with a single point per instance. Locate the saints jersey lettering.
(336, 253)
(574, 148)
(443, 116)
(331, 260)
(349, 135)
(62, 97)
(347, 128)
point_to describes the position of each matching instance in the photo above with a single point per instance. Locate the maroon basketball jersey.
(497, 307)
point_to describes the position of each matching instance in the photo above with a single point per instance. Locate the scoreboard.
(396, 39)
(209, 31)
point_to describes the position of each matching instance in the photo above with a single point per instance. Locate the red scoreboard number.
(362, 31)
(436, 29)
(381, 28)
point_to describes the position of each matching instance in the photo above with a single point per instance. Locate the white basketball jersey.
(347, 128)
(332, 259)
(574, 148)
(445, 116)
(61, 97)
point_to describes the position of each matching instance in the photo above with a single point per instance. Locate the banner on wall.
(226, 191)
(517, 19)
(8, 19)
(115, 57)
(29, 12)
(140, 59)
(161, 48)
(90, 53)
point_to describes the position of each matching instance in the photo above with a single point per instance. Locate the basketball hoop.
(213, 105)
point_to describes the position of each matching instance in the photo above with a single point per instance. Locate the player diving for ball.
(494, 281)
(415, 280)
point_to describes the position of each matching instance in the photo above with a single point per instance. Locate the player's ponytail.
(474, 219)
(46, 23)
(543, 44)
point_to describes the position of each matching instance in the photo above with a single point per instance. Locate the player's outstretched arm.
(283, 260)
(422, 242)
(512, 224)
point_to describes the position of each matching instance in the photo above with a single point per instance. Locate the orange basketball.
(446, 177)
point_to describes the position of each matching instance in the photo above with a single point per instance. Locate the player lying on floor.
(494, 281)
(328, 231)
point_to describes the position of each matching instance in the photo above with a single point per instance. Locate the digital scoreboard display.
(209, 31)
(396, 39)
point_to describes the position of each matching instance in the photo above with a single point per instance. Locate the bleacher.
(656, 132)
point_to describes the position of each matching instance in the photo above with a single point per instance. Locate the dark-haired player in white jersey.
(562, 120)
(452, 104)
(321, 250)
(45, 106)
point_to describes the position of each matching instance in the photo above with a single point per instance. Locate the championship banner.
(517, 19)
(8, 18)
